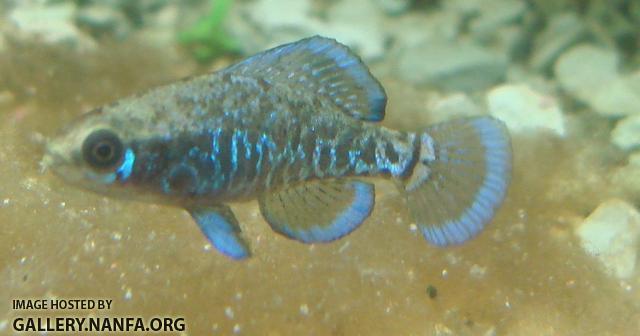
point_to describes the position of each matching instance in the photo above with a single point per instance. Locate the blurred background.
(560, 258)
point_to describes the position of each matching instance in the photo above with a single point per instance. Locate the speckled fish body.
(224, 137)
(294, 127)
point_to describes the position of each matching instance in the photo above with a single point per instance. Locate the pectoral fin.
(220, 226)
(318, 211)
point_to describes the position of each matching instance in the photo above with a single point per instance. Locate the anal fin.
(221, 228)
(318, 211)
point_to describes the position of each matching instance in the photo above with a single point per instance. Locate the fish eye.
(102, 149)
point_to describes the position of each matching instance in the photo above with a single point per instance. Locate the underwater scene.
(320, 167)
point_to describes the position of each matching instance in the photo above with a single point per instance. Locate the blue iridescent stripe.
(124, 171)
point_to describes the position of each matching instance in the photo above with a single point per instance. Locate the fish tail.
(459, 179)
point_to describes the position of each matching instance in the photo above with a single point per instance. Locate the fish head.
(93, 152)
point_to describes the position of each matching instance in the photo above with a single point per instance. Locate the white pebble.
(626, 134)
(452, 259)
(456, 105)
(611, 234)
(626, 286)
(524, 109)
(477, 271)
(344, 246)
(229, 312)
(304, 309)
(590, 74)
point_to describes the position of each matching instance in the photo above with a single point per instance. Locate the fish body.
(225, 138)
(294, 127)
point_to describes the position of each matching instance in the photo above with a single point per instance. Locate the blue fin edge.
(222, 234)
(344, 58)
(351, 63)
(489, 196)
(347, 221)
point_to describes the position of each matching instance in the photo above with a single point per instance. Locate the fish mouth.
(46, 162)
(51, 159)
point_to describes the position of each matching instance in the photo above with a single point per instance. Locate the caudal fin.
(460, 180)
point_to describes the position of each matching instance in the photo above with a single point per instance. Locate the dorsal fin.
(318, 211)
(321, 66)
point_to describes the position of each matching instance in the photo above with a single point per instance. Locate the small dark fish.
(294, 127)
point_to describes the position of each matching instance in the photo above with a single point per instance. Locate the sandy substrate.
(524, 275)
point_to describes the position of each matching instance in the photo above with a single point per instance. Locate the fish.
(297, 128)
